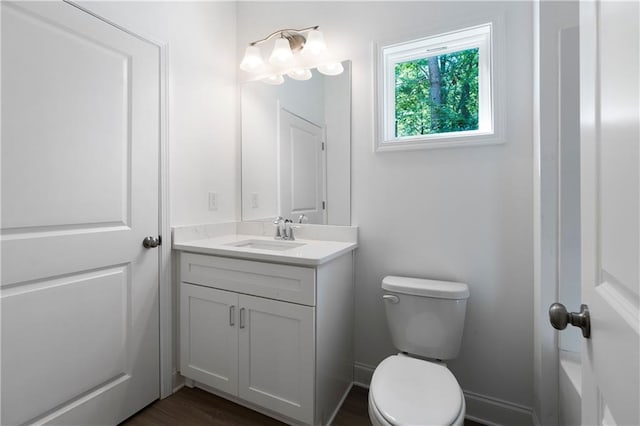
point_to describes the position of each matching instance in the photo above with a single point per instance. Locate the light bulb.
(315, 43)
(281, 52)
(331, 69)
(252, 59)
(275, 79)
(300, 74)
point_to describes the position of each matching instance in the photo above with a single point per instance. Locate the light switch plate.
(213, 201)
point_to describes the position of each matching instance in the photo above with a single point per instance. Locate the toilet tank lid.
(426, 288)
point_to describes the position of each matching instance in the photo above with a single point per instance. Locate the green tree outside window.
(437, 94)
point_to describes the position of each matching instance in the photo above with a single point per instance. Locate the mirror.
(296, 149)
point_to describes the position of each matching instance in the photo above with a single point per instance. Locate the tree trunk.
(462, 106)
(435, 92)
(464, 99)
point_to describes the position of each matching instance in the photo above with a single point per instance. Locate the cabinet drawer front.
(281, 282)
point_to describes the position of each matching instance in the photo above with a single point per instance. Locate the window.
(437, 91)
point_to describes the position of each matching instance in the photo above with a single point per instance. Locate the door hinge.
(324, 205)
(323, 146)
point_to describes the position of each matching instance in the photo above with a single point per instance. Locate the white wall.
(202, 99)
(461, 214)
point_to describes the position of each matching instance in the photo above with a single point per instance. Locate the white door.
(80, 154)
(610, 139)
(209, 336)
(277, 356)
(302, 169)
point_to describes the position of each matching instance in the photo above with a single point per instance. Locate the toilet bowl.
(426, 320)
(410, 391)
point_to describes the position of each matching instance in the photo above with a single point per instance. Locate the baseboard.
(480, 408)
(534, 418)
(177, 381)
(335, 413)
(493, 411)
(362, 374)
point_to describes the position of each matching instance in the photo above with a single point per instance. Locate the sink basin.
(267, 245)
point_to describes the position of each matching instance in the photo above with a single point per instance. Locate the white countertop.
(314, 251)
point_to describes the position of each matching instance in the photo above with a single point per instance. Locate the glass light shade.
(335, 68)
(252, 59)
(300, 74)
(315, 43)
(275, 79)
(281, 52)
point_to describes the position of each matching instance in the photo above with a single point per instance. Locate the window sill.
(451, 140)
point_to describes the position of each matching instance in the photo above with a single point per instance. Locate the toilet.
(426, 321)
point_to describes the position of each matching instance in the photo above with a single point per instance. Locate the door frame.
(165, 291)
(546, 232)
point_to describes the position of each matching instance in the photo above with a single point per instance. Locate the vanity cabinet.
(273, 337)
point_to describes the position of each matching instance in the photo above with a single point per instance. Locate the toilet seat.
(377, 419)
(410, 391)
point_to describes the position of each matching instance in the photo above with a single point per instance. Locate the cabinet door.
(209, 336)
(277, 356)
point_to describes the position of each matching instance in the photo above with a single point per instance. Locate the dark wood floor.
(197, 407)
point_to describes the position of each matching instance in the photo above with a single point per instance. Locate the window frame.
(489, 117)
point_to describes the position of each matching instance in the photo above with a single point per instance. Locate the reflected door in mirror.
(302, 168)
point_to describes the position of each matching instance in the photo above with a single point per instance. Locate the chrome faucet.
(280, 228)
(288, 230)
(284, 229)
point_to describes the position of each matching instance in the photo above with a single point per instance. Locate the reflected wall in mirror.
(296, 149)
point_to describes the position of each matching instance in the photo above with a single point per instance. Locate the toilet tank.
(425, 317)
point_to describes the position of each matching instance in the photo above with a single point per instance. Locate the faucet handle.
(280, 228)
(288, 230)
(303, 218)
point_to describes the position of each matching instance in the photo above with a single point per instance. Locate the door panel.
(70, 75)
(302, 168)
(80, 155)
(74, 309)
(277, 356)
(209, 336)
(610, 131)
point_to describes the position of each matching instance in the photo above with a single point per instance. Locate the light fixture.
(274, 79)
(315, 43)
(252, 59)
(334, 68)
(295, 53)
(281, 53)
(300, 74)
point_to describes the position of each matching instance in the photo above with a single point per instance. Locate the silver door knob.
(559, 318)
(151, 242)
